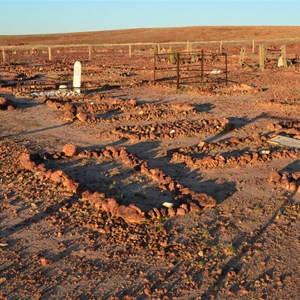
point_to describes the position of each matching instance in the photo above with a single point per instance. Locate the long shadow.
(235, 262)
(293, 167)
(38, 217)
(37, 130)
(21, 102)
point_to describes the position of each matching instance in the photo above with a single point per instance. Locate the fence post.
(283, 55)
(262, 57)
(226, 69)
(158, 48)
(129, 50)
(221, 46)
(154, 67)
(202, 64)
(253, 46)
(3, 55)
(178, 71)
(242, 57)
(49, 53)
(90, 52)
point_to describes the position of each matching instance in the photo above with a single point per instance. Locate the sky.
(61, 16)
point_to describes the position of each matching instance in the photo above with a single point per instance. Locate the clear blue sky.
(55, 16)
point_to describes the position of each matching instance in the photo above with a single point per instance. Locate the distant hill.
(158, 35)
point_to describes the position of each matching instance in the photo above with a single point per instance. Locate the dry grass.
(179, 34)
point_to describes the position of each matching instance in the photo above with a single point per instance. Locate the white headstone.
(77, 76)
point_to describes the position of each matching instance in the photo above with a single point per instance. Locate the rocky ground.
(135, 190)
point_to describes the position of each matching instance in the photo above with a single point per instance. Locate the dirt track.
(56, 244)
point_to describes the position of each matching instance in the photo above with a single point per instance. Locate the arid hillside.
(158, 35)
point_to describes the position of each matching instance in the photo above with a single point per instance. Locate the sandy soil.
(56, 243)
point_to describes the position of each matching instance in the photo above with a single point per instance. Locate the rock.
(180, 211)
(97, 199)
(129, 214)
(70, 150)
(82, 117)
(45, 261)
(6, 104)
(57, 176)
(132, 102)
(204, 200)
(171, 212)
(110, 205)
(274, 177)
(26, 162)
(293, 187)
(71, 185)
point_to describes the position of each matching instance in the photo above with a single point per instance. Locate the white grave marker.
(77, 77)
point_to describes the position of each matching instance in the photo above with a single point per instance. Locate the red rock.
(194, 207)
(86, 195)
(57, 176)
(129, 214)
(171, 212)
(107, 154)
(71, 185)
(70, 150)
(274, 177)
(184, 206)
(26, 162)
(82, 117)
(293, 187)
(204, 200)
(208, 160)
(69, 107)
(234, 140)
(151, 214)
(132, 102)
(110, 205)
(157, 212)
(171, 186)
(6, 104)
(180, 211)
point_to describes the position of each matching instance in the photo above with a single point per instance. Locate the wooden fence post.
(3, 55)
(221, 47)
(130, 50)
(90, 52)
(158, 48)
(283, 55)
(178, 70)
(262, 57)
(242, 57)
(49, 53)
(253, 46)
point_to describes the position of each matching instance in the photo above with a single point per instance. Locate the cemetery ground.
(159, 194)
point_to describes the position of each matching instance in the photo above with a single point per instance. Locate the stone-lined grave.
(184, 199)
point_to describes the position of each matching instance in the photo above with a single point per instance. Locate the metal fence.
(187, 68)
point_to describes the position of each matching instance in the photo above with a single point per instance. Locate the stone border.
(171, 130)
(86, 112)
(219, 161)
(188, 200)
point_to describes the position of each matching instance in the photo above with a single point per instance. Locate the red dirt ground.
(89, 222)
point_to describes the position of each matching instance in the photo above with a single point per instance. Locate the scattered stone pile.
(186, 200)
(289, 181)
(291, 128)
(221, 145)
(6, 104)
(172, 130)
(94, 112)
(240, 159)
